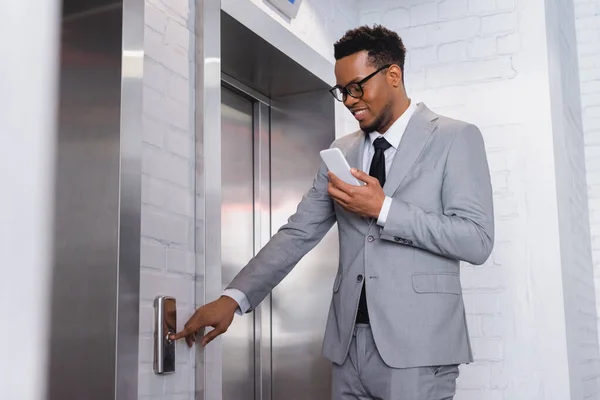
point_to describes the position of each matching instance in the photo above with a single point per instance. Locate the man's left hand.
(365, 200)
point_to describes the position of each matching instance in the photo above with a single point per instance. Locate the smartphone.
(337, 163)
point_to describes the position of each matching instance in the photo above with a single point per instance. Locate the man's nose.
(350, 101)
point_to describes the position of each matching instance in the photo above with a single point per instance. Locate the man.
(396, 326)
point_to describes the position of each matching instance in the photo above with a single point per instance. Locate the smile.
(360, 114)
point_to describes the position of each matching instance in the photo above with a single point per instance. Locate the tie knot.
(381, 144)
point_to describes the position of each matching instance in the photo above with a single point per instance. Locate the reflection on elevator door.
(292, 322)
(300, 303)
(237, 237)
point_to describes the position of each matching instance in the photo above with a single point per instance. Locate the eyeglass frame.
(344, 90)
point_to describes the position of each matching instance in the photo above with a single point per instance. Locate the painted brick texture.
(473, 60)
(168, 157)
(578, 274)
(587, 23)
(457, 49)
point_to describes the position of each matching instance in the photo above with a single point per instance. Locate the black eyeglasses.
(354, 89)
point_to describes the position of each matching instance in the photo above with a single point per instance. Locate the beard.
(381, 120)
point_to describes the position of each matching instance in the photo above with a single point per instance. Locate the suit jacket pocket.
(429, 282)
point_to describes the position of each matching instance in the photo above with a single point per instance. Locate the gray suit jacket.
(441, 214)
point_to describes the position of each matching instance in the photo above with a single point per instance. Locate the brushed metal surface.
(283, 360)
(165, 324)
(288, 329)
(130, 200)
(95, 293)
(258, 64)
(78, 7)
(232, 83)
(207, 84)
(237, 236)
(280, 38)
(86, 248)
(262, 234)
(301, 126)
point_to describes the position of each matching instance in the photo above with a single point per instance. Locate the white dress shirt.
(393, 136)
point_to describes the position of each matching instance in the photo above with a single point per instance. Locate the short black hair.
(384, 46)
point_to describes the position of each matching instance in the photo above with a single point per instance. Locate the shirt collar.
(396, 131)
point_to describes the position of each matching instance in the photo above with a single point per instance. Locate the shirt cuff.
(240, 298)
(385, 209)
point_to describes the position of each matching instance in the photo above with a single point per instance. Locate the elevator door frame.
(262, 226)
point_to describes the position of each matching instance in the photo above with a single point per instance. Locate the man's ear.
(394, 76)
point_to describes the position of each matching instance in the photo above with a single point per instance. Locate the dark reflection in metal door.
(280, 358)
(237, 236)
(301, 126)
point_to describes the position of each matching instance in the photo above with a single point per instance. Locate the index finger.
(187, 331)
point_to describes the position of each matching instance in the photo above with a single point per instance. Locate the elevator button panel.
(165, 320)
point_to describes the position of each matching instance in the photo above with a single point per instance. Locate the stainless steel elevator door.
(237, 236)
(268, 163)
(301, 126)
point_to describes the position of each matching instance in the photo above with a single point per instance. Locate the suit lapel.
(419, 129)
(354, 155)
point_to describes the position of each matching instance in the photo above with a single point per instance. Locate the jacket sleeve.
(465, 229)
(314, 217)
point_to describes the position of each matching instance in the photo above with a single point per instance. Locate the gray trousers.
(364, 375)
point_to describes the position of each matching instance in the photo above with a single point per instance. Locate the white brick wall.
(167, 247)
(484, 61)
(587, 17)
(578, 275)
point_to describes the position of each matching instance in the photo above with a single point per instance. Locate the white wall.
(167, 247)
(587, 17)
(28, 120)
(460, 63)
(487, 62)
(569, 150)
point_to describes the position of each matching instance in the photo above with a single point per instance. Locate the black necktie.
(377, 170)
(378, 163)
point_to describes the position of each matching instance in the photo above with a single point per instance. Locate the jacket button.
(370, 238)
(359, 278)
(397, 239)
